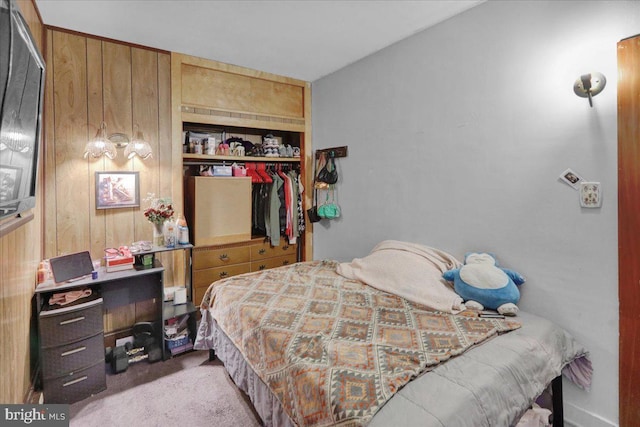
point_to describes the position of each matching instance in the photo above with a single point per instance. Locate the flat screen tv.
(22, 89)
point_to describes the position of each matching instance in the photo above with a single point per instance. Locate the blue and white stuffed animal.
(482, 284)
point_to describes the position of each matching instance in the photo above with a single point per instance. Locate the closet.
(224, 103)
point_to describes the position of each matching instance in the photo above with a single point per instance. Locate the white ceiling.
(303, 39)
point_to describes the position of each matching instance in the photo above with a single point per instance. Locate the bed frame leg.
(212, 355)
(556, 392)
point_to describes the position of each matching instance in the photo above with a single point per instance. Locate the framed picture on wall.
(117, 190)
(571, 178)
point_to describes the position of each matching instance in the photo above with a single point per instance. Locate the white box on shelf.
(169, 292)
(222, 171)
(180, 296)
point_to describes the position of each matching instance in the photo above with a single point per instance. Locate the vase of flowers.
(158, 235)
(159, 211)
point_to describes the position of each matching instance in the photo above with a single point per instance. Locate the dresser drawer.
(68, 324)
(76, 386)
(265, 250)
(57, 361)
(203, 278)
(210, 275)
(273, 262)
(209, 258)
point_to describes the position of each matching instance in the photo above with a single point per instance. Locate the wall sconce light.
(589, 85)
(102, 145)
(138, 147)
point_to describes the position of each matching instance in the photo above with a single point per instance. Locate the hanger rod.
(337, 151)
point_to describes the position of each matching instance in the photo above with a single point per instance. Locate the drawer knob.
(262, 267)
(223, 274)
(74, 320)
(285, 262)
(262, 251)
(285, 247)
(224, 257)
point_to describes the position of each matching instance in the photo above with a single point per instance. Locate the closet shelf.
(207, 157)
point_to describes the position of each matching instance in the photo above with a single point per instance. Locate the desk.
(71, 337)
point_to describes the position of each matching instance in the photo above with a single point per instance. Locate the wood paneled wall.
(91, 80)
(20, 252)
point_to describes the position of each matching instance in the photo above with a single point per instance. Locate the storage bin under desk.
(77, 385)
(72, 350)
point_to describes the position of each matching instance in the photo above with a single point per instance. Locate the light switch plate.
(590, 194)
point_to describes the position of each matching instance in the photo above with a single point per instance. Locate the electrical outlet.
(590, 194)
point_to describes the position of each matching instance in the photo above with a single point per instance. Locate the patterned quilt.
(333, 350)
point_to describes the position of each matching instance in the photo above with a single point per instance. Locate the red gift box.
(119, 263)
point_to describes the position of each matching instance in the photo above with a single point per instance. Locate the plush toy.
(482, 284)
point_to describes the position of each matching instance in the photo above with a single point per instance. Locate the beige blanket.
(409, 270)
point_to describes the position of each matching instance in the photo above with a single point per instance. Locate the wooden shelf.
(170, 310)
(158, 249)
(207, 157)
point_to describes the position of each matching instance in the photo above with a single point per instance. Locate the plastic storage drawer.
(73, 323)
(76, 385)
(57, 361)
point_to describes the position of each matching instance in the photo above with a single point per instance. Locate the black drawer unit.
(71, 337)
(72, 351)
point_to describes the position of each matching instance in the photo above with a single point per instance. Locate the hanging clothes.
(301, 220)
(287, 204)
(260, 194)
(277, 204)
(293, 229)
(275, 207)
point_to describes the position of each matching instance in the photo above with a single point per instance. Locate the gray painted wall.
(457, 137)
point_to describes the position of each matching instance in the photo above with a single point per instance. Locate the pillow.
(409, 270)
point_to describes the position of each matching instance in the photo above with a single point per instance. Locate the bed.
(313, 347)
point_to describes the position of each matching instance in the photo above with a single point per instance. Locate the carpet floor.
(187, 389)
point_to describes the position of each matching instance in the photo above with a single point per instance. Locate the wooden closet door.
(629, 228)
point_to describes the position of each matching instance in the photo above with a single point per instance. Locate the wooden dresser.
(211, 263)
